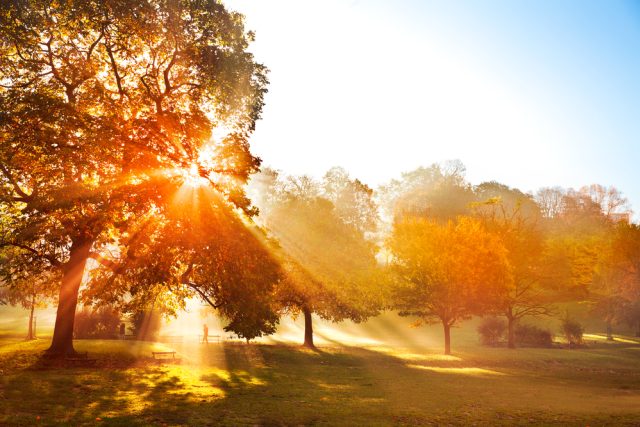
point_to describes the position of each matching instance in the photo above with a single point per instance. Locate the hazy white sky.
(530, 94)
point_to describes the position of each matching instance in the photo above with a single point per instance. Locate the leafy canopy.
(103, 107)
(447, 272)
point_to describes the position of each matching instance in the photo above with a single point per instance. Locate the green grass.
(259, 384)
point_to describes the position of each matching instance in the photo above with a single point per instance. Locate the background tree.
(575, 234)
(631, 314)
(616, 288)
(580, 258)
(330, 265)
(30, 293)
(25, 290)
(438, 191)
(610, 199)
(550, 201)
(580, 214)
(97, 323)
(447, 272)
(145, 324)
(352, 200)
(516, 219)
(106, 109)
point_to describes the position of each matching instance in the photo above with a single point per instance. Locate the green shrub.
(492, 330)
(532, 336)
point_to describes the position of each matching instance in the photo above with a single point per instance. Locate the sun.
(192, 178)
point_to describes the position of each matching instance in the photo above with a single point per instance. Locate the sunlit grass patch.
(18, 355)
(407, 354)
(230, 378)
(457, 370)
(616, 338)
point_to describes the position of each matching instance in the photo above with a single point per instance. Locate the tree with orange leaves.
(205, 251)
(615, 291)
(447, 272)
(516, 218)
(107, 108)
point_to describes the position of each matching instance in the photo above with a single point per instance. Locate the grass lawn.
(260, 384)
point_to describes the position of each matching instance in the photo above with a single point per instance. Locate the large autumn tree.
(447, 271)
(204, 251)
(107, 108)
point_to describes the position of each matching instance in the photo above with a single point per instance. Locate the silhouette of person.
(205, 334)
(122, 331)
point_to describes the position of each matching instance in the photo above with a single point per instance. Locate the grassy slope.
(236, 384)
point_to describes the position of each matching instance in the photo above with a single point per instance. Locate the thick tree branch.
(50, 258)
(114, 67)
(167, 82)
(202, 294)
(14, 184)
(94, 44)
(184, 278)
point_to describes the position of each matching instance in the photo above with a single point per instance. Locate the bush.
(492, 330)
(572, 331)
(101, 323)
(532, 336)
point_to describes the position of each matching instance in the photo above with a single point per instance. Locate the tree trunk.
(308, 328)
(72, 272)
(30, 334)
(447, 337)
(511, 337)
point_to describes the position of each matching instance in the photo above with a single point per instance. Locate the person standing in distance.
(205, 333)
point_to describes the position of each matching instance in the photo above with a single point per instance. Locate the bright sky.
(528, 93)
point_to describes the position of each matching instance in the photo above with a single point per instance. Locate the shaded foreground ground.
(239, 384)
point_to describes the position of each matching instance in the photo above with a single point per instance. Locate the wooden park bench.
(217, 337)
(164, 355)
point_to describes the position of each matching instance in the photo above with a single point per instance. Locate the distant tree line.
(429, 245)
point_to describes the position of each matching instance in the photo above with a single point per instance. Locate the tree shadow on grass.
(267, 385)
(260, 384)
(293, 385)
